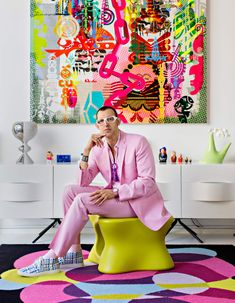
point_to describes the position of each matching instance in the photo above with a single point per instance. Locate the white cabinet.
(26, 191)
(208, 191)
(189, 191)
(168, 180)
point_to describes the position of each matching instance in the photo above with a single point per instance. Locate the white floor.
(177, 236)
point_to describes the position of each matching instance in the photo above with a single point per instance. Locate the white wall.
(187, 139)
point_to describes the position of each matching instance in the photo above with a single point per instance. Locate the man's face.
(105, 127)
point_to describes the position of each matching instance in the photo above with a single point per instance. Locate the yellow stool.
(97, 248)
(126, 244)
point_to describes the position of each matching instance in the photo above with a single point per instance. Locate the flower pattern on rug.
(198, 276)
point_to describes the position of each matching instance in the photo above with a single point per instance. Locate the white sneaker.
(71, 259)
(40, 267)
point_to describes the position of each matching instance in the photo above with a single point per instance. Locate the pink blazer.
(138, 185)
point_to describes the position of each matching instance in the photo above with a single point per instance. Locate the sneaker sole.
(49, 272)
(67, 266)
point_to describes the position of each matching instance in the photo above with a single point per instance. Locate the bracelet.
(84, 158)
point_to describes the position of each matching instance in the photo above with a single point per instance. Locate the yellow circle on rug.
(11, 275)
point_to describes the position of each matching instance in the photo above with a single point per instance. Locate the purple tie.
(114, 172)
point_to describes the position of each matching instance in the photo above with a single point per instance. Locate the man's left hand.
(101, 195)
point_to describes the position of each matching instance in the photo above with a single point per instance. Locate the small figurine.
(190, 160)
(186, 160)
(49, 157)
(162, 155)
(180, 159)
(173, 157)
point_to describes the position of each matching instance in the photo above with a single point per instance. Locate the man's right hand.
(95, 139)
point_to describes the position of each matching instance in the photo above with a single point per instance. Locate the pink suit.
(138, 193)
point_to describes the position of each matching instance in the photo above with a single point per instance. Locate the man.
(126, 163)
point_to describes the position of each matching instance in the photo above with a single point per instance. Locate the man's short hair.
(103, 108)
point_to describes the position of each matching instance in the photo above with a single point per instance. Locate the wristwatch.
(115, 191)
(84, 158)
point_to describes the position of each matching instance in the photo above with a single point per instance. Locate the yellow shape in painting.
(161, 80)
(228, 284)
(38, 42)
(11, 275)
(116, 296)
(130, 12)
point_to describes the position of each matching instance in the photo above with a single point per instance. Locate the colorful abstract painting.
(146, 58)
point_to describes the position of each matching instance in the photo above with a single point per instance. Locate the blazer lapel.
(122, 151)
(106, 163)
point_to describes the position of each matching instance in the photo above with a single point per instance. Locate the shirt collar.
(118, 141)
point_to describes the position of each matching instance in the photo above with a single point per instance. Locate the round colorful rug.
(199, 276)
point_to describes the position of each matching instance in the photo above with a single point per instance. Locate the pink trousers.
(77, 206)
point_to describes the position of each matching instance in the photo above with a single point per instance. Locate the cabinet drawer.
(213, 191)
(26, 191)
(21, 191)
(23, 210)
(208, 191)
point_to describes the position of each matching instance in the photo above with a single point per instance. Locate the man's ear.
(97, 126)
(119, 121)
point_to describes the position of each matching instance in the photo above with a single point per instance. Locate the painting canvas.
(146, 58)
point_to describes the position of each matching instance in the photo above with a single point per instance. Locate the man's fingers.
(94, 198)
(99, 196)
(97, 192)
(99, 142)
(97, 139)
(101, 137)
(101, 203)
(100, 199)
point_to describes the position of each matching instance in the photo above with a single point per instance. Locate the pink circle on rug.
(218, 265)
(126, 276)
(49, 291)
(28, 259)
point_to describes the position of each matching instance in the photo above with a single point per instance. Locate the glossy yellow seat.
(126, 244)
(97, 248)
